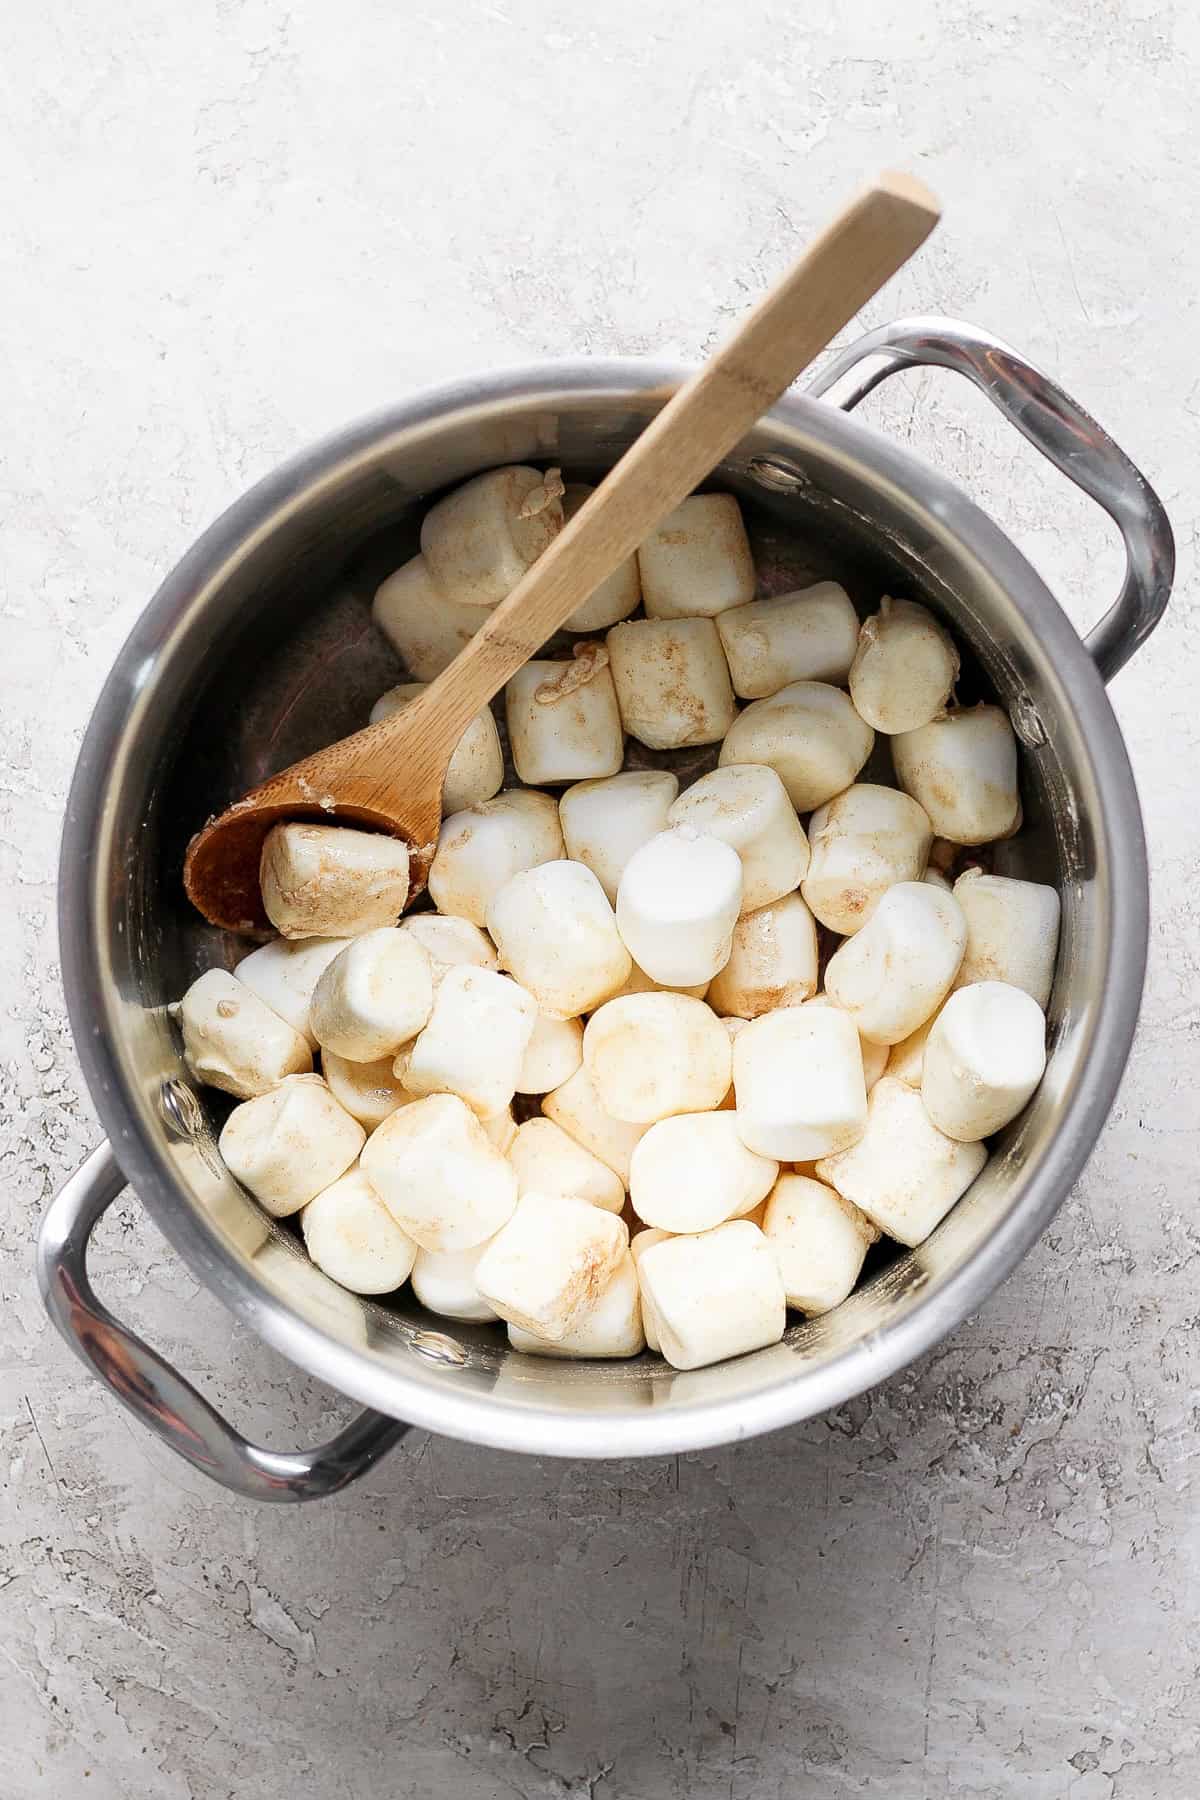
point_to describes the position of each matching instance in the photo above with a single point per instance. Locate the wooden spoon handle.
(872, 237)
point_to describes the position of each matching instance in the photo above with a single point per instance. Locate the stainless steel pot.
(258, 648)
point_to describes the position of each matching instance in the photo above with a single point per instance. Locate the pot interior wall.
(285, 632)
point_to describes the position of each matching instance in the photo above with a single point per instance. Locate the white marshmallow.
(772, 961)
(604, 822)
(906, 1060)
(693, 1171)
(426, 630)
(284, 975)
(232, 1040)
(746, 806)
(484, 846)
(678, 903)
(501, 1129)
(375, 995)
(936, 879)
(476, 770)
(548, 1161)
(563, 722)
(576, 1107)
(332, 881)
(475, 1041)
(444, 1281)
(351, 1236)
(819, 1240)
(552, 1055)
(874, 1056)
(697, 562)
(449, 941)
(640, 983)
(715, 1295)
(904, 669)
(732, 1026)
(651, 1055)
(288, 1144)
(369, 1091)
(899, 968)
(962, 768)
(863, 841)
(672, 682)
(442, 1181)
(985, 1056)
(798, 1077)
(811, 736)
(808, 635)
(554, 928)
(613, 1326)
(1012, 932)
(903, 1173)
(480, 540)
(547, 1269)
(618, 595)
(639, 1243)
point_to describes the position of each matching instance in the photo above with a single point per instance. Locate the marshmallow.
(442, 1181)
(1012, 932)
(640, 983)
(899, 968)
(808, 635)
(576, 1107)
(904, 669)
(863, 841)
(677, 905)
(563, 722)
(484, 846)
(501, 1129)
(672, 682)
(234, 1041)
(906, 1060)
(476, 770)
(639, 1243)
(903, 1173)
(426, 630)
(798, 1078)
(331, 881)
(875, 1056)
(732, 1026)
(547, 1161)
(604, 822)
(697, 561)
(819, 1240)
(613, 1327)
(652, 1055)
(449, 941)
(985, 1056)
(289, 1144)
(351, 1236)
(284, 975)
(693, 1171)
(369, 1091)
(811, 736)
(618, 595)
(936, 879)
(375, 995)
(475, 1041)
(547, 1269)
(772, 961)
(962, 768)
(481, 539)
(444, 1281)
(554, 928)
(746, 806)
(715, 1295)
(552, 1055)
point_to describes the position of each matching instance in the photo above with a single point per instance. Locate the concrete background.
(227, 228)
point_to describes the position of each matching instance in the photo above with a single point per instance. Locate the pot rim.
(483, 1418)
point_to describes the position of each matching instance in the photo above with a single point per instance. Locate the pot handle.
(157, 1394)
(1058, 427)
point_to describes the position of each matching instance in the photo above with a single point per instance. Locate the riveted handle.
(157, 1394)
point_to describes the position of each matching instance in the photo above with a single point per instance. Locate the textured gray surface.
(228, 227)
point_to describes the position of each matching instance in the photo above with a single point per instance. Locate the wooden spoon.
(389, 776)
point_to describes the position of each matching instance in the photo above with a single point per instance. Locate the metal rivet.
(1027, 722)
(776, 473)
(438, 1348)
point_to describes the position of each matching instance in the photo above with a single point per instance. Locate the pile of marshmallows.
(643, 961)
